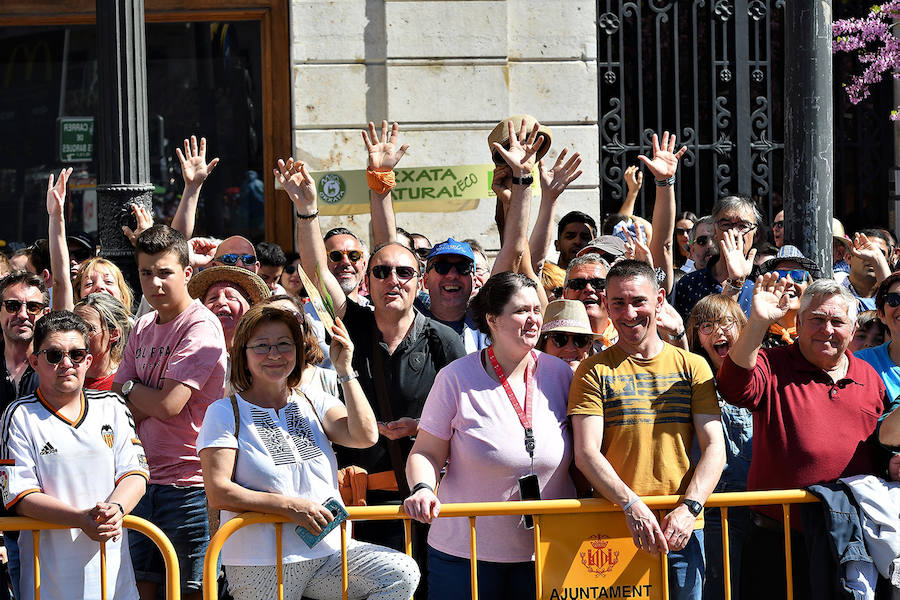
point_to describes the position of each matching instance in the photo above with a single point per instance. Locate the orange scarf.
(788, 334)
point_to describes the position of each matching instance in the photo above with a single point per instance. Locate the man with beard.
(346, 261)
(585, 282)
(24, 300)
(449, 277)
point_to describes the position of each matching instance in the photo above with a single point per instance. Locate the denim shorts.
(181, 514)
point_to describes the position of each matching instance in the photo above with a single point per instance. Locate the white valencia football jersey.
(80, 463)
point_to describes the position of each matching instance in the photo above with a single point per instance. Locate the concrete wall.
(447, 71)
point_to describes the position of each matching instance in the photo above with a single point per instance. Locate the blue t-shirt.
(881, 361)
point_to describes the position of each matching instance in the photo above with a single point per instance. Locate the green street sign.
(76, 139)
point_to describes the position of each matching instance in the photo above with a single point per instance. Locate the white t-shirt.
(284, 452)
(79, 463)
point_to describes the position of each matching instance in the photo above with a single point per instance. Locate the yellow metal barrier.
(173, 583)
(536, 507)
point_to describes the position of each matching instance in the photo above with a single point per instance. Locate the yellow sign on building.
(592, 556)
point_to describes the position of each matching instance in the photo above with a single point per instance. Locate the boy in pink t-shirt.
(172, 370)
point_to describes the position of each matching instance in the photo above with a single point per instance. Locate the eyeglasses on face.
(54, 355)
(579, 283)
(741, 226)
(561, 339)
(795, 275)
(338, 255)
(892, 299)
(777, 224)
(423, 252)
(681, 231)
(290, 269)
(404, 273)
(442, 267)
(32, 307)
(232, 259)
(707, 327)
(280, 348)
(703, 240)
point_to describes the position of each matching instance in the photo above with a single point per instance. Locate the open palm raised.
(665, 160)
(770, 302)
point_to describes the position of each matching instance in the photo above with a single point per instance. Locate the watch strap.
(695, 507)
(527, 180)
(421, 486)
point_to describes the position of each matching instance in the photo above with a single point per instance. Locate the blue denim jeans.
(687, 570)
(449, 578)
(12, 562)
(181, 514)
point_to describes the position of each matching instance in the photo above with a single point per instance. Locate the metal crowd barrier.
(472, 510)
(173, 583)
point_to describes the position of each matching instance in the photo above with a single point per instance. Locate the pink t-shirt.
(487, 451)
(190, 349)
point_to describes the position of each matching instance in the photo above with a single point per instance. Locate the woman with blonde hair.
(110, 324)
(101, 275)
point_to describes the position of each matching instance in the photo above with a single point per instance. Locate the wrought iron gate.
(705, 70)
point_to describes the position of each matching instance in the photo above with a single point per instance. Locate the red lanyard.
(524, 416)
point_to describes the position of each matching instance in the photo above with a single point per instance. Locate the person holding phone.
(499, 416)
(267, 449)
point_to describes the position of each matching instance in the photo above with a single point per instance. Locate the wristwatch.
(526, 180)
(693, 506)
(127, 387)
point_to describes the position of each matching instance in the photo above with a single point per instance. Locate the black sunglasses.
(579, 283)
(384, 271)
(560, 339)
(232, 259)
(423, 252)
(892, 299)
(290, 269)
(703, 240)
(32, 307)
(443, 267)
(54, 356)
(338, 255)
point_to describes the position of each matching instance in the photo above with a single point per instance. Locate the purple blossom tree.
(872, 39)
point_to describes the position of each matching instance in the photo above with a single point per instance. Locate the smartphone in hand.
(337, 511)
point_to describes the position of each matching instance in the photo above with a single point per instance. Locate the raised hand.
(770, 302)
(384, 154)
(56, 193)
(862, 247)
(341, 350)
(634, 179)
(522, 149)
(555, 180)
(636, 247)
(144, 222)
(194, 167)
(501, 183)
(298, 183)
(665, 160)
(668, 320)
(738, 265)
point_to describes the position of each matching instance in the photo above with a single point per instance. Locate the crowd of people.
(675, 355)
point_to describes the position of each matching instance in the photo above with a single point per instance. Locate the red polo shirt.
(807, 429)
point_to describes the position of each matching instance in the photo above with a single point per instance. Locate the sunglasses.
(32, 307)
(561, 339)
(892, 299)
(232, 259)
(280, 348)
(682, 231)
(703, 240)
(80, 254)
(707, 327)
(423, 252)
(795, 275)
(443, 267)
(54, 356)
(384, 271)
(579, 283)
(338, 255)
(777, 224)
(290, 269)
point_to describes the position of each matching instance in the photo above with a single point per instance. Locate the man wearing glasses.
(346, 261)
(236, 251)
(585, 281)
(24, 300)
(449, 276)
(701, 245)
(735, 220)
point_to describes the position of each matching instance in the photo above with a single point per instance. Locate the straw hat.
(250, 283)
(838, 233)
(500, 134)
(569, 316)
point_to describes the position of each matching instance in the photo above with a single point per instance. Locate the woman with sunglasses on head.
(268, 449)
(566, 332)
(799, 271)
(110, 325)
(885, 359)
(712, 329)
(499, 416)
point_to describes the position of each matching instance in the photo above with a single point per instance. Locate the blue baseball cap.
(452, 247)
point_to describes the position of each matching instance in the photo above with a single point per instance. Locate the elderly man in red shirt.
(815, 407)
